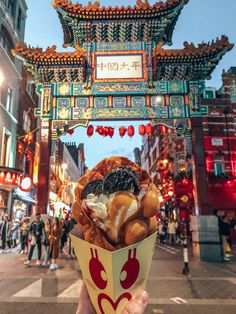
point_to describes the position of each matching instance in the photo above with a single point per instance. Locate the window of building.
(7, 97)
(12, 7)
(6, 41)
(6, 148)
(26, 122)
(19, 19)
(30, 88)
(219, 168)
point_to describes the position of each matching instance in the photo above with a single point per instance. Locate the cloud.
(119, 151)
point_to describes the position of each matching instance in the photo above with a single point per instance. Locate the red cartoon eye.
(130, 271)
(97, 271)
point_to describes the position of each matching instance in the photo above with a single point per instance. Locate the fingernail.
(142, 297)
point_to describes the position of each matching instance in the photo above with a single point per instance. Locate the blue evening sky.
(200, 20)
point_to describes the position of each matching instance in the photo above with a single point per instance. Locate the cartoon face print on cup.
(128, 276)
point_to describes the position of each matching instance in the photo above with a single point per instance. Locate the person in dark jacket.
(64, 226)
(224, 228)
(35, 233)
(46, 241)
(5, 232)
(70, 226)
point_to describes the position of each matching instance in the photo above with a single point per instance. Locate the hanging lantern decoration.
(111, 131)
(90, 130)
(130, 130)
(28, 156)
(26, 138)
(142, 130)
(20, 148)
(163, 129)
(30, 137)
(162, 164)
(100, 130)
(106, 130)
(70, 131)
(122, 131)
(149, 129)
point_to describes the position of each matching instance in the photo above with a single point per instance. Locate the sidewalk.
(210, 287)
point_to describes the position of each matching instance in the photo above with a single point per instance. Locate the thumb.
(137, 304)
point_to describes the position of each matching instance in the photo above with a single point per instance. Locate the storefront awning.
(24, 197)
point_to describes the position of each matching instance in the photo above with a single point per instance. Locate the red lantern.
(106, 131)
(130, 130)
(20, 148)
(163, 129)
(90, 130)
(122, 131)
(111, 131)
(30, 137)
(99, 130)
(149, 129)
(71, 131)
(26, 138)
(142, 130)
(28, 156)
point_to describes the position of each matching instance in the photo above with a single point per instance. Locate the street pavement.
(210, 287)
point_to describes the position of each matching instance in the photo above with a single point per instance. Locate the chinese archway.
(119, 70)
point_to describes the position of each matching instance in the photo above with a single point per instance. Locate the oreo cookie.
(94, 187)
(121, 179)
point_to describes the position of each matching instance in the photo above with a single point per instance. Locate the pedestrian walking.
(15, 232)
(24, 233)
(5, 234)
(55, 236)
(64, 226)
(35, 235)
(224, 228)
(161, 231)
(71, 224)
(172, 226)
(46, 241)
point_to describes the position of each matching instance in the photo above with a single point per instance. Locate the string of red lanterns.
(130, 130)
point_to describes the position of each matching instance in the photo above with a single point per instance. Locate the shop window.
(6, 148)
(26, 122)
(219, 168)
(6, 41)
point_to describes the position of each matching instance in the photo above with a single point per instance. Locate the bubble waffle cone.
(114, 239)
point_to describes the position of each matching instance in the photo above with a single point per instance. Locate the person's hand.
(136, 305)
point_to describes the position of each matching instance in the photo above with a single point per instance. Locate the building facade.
(12, 29)
(219, 131)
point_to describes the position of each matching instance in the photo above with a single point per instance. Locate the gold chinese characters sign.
(121, 66)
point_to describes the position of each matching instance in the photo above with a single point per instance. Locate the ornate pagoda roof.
(192, 62)
(50, 66)
(143, 22)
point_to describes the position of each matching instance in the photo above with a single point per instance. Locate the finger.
(138, 304)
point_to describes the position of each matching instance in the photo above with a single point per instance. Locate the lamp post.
(185, 250)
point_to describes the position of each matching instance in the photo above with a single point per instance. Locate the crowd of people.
(171, 230)
(52, 234)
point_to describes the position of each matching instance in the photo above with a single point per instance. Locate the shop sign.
(217, 142)
(26, 184)
(120, 66)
